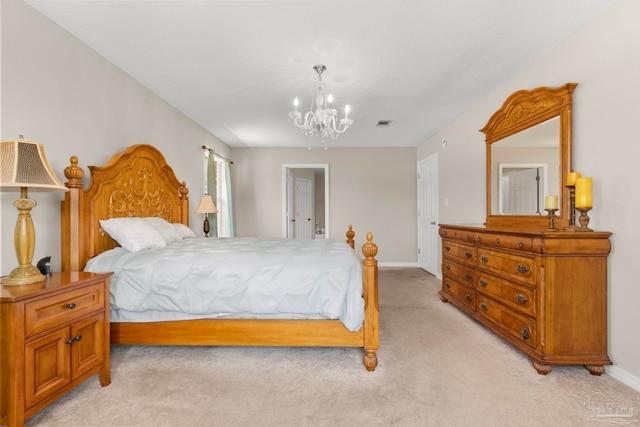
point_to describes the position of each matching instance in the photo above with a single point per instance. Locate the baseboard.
(624, 377)
(397, 264)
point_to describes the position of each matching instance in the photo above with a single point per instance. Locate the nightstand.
(53, 335)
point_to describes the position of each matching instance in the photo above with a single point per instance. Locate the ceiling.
(234, 67)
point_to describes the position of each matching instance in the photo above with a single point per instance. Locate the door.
(428, 237)
(303, 209)
(320, 193)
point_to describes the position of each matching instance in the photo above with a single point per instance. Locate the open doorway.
(305, 201)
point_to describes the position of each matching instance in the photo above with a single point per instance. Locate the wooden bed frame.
(139, 183)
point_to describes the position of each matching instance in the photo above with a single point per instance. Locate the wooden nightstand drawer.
(56, 310)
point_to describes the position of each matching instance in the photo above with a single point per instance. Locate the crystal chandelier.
(321, 117)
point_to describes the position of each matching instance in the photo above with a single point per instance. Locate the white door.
(303, 210)
(428, 237)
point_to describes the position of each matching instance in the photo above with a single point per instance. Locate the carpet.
(437, 367)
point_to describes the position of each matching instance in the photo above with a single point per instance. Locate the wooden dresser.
(544, 292)
(53, 335)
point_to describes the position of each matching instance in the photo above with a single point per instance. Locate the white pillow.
(133, 234)
(167, 231)
(183, 230)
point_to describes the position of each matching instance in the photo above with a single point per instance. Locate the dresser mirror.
(528, 156)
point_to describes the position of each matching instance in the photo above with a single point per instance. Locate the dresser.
(53, 336)
(545, 292)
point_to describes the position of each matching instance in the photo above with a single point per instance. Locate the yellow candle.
(571, 178)
(583, 193)
(551, 202)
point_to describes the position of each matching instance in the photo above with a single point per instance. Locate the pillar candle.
(583, 193)
(551, 202)
(571, 178)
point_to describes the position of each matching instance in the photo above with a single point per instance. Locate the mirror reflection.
(525, 168)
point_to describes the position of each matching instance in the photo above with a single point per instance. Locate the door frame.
(288, 166)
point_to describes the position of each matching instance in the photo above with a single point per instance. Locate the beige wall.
(57, 91)
(373, 189)
(604, 59)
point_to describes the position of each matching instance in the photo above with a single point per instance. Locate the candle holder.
(572, 209)
(551, 214)
(584, 220)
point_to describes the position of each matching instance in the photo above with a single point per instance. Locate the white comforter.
(204, 276)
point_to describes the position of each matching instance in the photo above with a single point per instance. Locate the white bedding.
(208, 277)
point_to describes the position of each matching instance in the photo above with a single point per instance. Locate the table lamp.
(206, 207)
(24, 166)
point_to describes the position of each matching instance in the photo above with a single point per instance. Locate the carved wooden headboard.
(135, 183)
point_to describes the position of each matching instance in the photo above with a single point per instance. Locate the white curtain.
(226, 226)
(210, 187)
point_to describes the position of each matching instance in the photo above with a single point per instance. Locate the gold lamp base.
(24, 275)
(24, 240)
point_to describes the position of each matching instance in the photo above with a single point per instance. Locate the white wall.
(372, 189)
(604, 59)
(59, 92)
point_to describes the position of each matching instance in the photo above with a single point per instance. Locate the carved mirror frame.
(522, 110)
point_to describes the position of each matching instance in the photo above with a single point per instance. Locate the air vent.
(383, 123)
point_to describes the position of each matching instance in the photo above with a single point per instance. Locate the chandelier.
(321, 118)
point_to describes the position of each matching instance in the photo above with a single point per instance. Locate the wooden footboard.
(139, 182)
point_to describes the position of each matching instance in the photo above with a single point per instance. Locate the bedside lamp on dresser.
(536, 280)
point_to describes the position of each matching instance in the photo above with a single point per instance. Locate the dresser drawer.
(518, 243)
(56, 310)
(459, 292)
(461, 235)
(460, 272)
(518, 297)
(459, 251)
(516, 325)
(515, 267)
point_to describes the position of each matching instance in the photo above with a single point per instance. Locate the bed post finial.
(72, 219)
(73, 173)
(350, 234)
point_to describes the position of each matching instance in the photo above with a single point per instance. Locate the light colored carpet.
(437, 368)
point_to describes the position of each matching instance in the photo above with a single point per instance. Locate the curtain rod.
(204, 147)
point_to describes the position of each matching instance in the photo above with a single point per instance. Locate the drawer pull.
(447, 248)
(74, 339)
(523, 269)
(447, 267)
(477, 238)
(468, 276)
(447, 285)
(497, 241)
(467, 237)
(521, 298)
(520, 245)
(468, 254)
(525, 333)
(468, 297)
(483, 306)
(71, 306)
(484, 259)
(443, 233)
(483, 283)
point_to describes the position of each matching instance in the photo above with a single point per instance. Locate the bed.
(139, 183)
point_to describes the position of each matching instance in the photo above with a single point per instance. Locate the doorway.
(428, 237)
(316, 191)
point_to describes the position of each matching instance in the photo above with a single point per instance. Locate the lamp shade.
(24, 165)
(206, 205)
